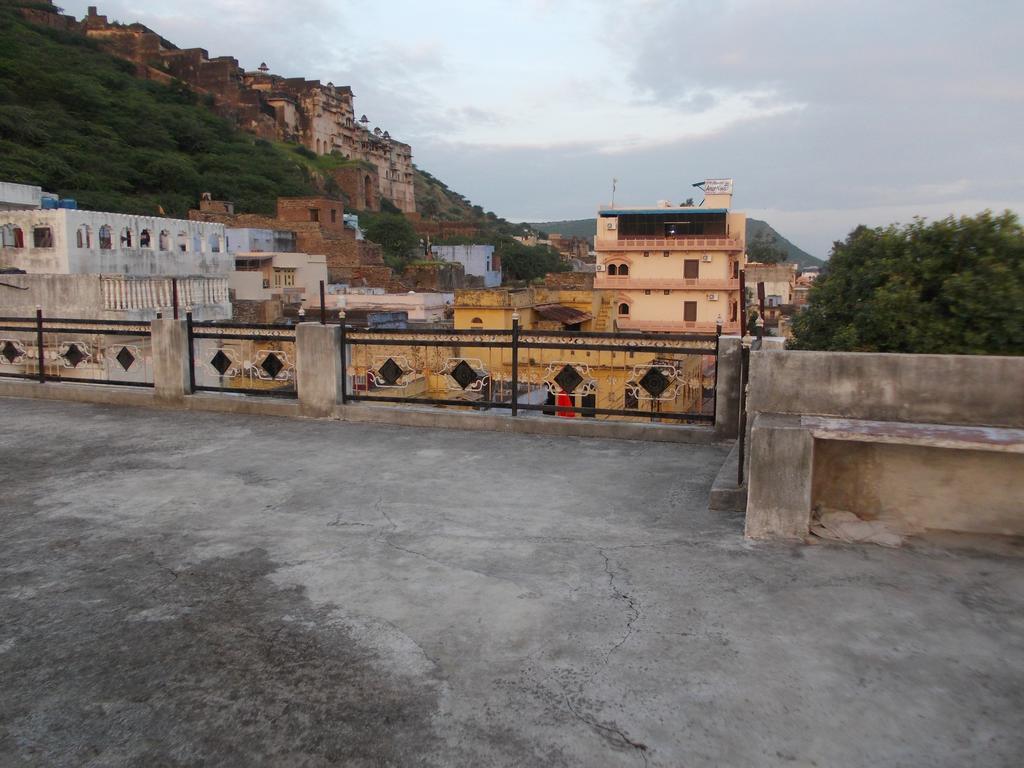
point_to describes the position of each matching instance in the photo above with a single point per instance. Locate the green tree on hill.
(526, 262)
(395, 234)
(765, 249)
(954, 286)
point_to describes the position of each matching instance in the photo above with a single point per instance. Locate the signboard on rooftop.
(717, 186)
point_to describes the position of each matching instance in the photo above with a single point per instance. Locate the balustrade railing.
(89, 351)
(560, 373)
(242, 358)
(567, 374)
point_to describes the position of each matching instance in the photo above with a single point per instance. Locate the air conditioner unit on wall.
(706, 258)
(712, 297)
(599, 268)
(610, 225)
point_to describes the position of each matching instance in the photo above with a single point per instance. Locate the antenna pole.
(614, 183)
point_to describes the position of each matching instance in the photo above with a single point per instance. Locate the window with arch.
(613, 270)
(145, 239)
(181, 242)
(165, 240)
(83, 237)
(214, 243)
(624, 309)
(126, 238)
(623, 270)
(42, 237)
(12, 237)
(106, 238)
(477, 323)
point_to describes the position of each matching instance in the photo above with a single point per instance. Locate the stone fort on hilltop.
(320, 117)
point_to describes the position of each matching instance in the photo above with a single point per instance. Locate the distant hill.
(575, 228)
(755, 227)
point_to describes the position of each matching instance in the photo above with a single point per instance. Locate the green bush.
(954, 286)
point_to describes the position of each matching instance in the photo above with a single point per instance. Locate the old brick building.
(319, 116)
(318, 224)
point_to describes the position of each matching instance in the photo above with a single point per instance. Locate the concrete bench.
(786, 451)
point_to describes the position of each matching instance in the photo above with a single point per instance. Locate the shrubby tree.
(525, 262)
(953, 286)
(765, 249)
(396, 236)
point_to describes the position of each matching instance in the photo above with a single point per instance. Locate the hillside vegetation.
(75, 121)
(436, 201)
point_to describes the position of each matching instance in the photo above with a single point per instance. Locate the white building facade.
(251, 240)
(129, 252)
(20, 197)
(478, 260)
(73, 242)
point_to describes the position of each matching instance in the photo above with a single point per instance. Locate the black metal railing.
(242, 358)
(561, 373)
(87, 351)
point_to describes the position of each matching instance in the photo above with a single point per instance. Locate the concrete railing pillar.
(780, 477)
(170, 359)
(727, 403)
(318, 367)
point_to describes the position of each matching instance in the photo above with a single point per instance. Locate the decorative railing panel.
(76, 350)
(252, 359)
(567, 374)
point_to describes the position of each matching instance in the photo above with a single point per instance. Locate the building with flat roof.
(288, 277)
(70, 242)
(479, 261)
(674, 269)
(20, 197)
(107, 265)
(252, 240)
(427, 307)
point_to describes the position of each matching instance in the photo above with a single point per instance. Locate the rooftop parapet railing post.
(727, 386)
(171, 353)
(318, 368)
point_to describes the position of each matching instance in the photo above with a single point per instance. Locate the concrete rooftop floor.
(184, 589)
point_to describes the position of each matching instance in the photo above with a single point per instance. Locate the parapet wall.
(900, 443)
(933, 389)
(569, 280)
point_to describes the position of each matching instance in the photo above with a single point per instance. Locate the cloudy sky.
(827, 113)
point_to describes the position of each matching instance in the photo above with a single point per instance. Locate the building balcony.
(630, 283)
(674, 326)
(671, 244)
